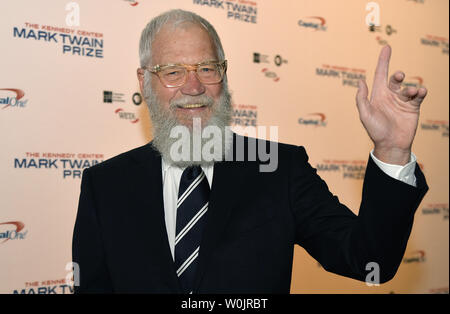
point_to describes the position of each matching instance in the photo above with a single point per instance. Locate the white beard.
(192, 144)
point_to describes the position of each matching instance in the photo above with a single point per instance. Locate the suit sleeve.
(87, 245)
(342, 242)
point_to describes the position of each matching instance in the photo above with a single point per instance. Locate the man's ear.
(140, 75)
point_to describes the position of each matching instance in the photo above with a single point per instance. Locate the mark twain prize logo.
(316, 23)
(348, 76)
(12, 230)
(440, 210)
(73, 42)
(436, 41)
(241, 10)
(436, 126)
(12, 98)
(350, 169)
(68, 164)
(59, 286)
(245, 115)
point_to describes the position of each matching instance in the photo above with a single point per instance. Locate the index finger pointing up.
(382, 71)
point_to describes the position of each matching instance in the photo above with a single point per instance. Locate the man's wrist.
(403, 173)
(398, 157)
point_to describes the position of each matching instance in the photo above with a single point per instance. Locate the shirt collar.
(166, 166)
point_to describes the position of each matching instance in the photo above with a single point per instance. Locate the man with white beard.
(167, 218)
(171, 106)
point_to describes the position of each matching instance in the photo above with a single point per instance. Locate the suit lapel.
(227, 184)
(228, 180)
(150, 216)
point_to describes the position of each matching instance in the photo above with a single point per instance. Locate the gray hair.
(174, 17)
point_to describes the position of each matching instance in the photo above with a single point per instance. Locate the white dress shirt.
(171, 176)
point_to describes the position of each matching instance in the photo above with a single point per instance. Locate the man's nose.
(192, 86)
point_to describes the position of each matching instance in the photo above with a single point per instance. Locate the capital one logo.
(415, 257)
(318, 119)
(12, 231)
(315, 22)
(14, 98)
(414, 81)
(133, 3)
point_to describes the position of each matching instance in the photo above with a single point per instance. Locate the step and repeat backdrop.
(69, 99)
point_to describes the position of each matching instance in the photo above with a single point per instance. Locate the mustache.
(186, 100)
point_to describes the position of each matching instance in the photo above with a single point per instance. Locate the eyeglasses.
(175, 75)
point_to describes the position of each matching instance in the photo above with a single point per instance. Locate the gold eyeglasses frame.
(221, 65)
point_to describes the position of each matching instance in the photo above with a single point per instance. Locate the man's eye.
(173, 73)
(207, 69)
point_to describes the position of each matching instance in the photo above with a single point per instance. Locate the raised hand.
(391, 115)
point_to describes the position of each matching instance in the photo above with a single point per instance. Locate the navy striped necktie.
(192, 205)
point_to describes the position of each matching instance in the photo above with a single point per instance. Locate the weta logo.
(270, 74)
(126, 115)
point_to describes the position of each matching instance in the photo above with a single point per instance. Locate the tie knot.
(192, 172)
(191, 177)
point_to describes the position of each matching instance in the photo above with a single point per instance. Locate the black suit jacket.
(253, 222)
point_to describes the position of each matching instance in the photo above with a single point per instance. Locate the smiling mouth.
(191, 106)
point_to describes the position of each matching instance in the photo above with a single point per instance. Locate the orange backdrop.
(69, 99)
